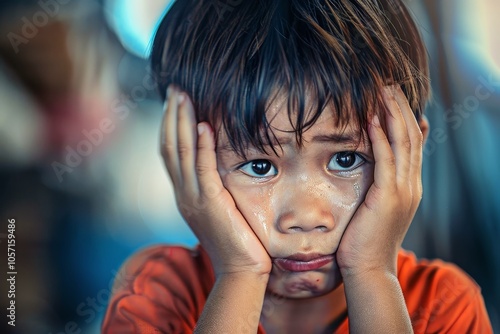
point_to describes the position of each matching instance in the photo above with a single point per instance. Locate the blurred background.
(81, 175)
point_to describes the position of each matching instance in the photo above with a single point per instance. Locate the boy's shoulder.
(157, 283)
(428, 277)
(168, 265)
(424, 274)
(440, 296)
(186, 261)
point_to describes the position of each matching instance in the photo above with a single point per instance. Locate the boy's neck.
(321, 314)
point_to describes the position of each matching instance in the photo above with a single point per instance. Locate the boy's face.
(300, 203)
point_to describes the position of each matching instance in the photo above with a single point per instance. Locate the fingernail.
(180, 98)
(394, 89)
(169, 91)
(376, 121)
(201, 128)
(389, 90)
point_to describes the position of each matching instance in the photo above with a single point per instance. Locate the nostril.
(321, 228)
(296, 221)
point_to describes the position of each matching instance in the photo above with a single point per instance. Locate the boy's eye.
(259, 168)
(345, 161)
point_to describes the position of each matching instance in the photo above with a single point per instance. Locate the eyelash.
(352, 168)
(247, 167)
(257, 161)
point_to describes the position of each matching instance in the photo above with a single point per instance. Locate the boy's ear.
(424, 127)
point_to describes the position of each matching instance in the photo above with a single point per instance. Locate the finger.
(209, 180)
(186, 142)
(414, 132)
(169, 137)
(397, 134)
(416, 139)
(385, 163)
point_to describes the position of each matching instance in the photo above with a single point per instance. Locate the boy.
(293, 136)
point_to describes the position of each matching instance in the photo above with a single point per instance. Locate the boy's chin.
(300, 295)
(300, 285)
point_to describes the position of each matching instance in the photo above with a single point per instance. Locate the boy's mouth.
(303, 262)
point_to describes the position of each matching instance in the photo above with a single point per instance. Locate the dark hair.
(234, 57)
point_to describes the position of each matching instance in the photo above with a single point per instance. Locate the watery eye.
(345, 161)
(259, 168)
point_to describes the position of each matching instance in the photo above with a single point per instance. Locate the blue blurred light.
(135, 22)
(477, 28)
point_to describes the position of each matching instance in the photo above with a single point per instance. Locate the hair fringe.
(236, 63)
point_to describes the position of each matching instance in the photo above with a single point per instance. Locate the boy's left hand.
(374, 235)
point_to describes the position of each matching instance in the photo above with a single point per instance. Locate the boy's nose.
(305, 215)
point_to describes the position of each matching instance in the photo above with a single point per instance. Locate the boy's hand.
(375, 233)
(203, 201)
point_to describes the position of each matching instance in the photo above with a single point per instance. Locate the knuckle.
(390, 161)
(184, 151)
(185, 210)
(407, 144)
(167, 150)
(379, 136)
(201, 145)
(211, 190)
(190, 206)
(202, 169)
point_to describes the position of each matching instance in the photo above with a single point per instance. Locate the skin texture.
(306, 204)
(313, 217)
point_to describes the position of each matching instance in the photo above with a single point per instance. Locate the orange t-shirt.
(162, 289)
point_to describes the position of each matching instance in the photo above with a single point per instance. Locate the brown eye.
(259, 168)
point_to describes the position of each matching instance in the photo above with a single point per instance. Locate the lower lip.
(294, 265)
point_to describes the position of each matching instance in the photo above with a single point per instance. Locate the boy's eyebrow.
(340, 138)
(344, 138)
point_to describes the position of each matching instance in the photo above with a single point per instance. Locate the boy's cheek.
(261, 205)
(255, 205)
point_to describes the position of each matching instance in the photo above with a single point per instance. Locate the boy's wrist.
(243, 276)
(234, 304)
(367, 282)
(384, 264)
(365, 273)
(376, 290)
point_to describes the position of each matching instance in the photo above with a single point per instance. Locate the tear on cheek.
(357, 190)
(261, 217)
(350, 198)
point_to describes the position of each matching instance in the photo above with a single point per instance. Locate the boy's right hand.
(205, 204)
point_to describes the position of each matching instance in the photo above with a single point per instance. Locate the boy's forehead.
(325, 129)
(280, 121)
